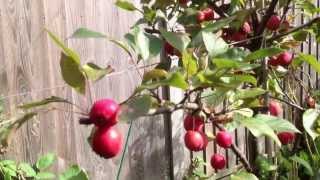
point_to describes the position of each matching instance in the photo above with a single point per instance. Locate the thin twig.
(289, 103)
(311, 22)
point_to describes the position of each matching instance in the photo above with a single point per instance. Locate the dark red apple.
(273, 61)
(275, 108)
(104, 112)
(194, 140)
(183, 2)
(238, 36)
(107, 142)
(201, 16)
(286, 137)
(285, 58)
(168, 49)
(209, 14)
(217, 161)
(224, 139)
(193, 122)
(273, 23)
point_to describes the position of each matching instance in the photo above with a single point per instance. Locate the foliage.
(11, 170)
(237, 57)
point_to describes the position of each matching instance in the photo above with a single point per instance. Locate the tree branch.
(289, 103)
(314, 20)
(270, 11)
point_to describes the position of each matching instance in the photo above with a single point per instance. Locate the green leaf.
(52, 99)
(235, 80)
(179, 41)
(74, 173)
(300, 35)
(243, 175)
(94, 72)
(126, 5)
(309, 117)
(176, 80)
(311, 60)
(45, 175)
(136, 107)
(87, 33)
(7, 176)
(67, 51)
(214, 44)
(217, 25)
(72, 74)
(262, 53)
(189, 63)
(10, 171)
(249, 93)
(146, 45)
(304, 163)
(229, 63)
(213, 98)
(27, 170)
(259, 128)
(155, 74)
(45, 161)
(235, 54)
(276, 123)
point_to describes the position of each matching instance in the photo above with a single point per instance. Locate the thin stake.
(124, 150)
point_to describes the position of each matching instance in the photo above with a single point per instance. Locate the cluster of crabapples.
(106, 140)
(275, 109)
(196, 140)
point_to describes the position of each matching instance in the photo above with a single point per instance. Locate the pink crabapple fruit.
(104, 112)
(224, 139)
(107, 141)
(217, 161)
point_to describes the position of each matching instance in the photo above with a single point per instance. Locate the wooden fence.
(29, 70)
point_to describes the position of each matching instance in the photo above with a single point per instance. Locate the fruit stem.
(124, 150)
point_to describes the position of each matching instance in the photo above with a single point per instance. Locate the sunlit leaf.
(262, 53)
(45, 161)
(94, 72)
(179, 41)
(258, 128)
(72, 73)
(67, 51)
(276, 123)
(87, 33)
(155, 74)
(243, 175)
(189, 63)
(249, 93)
(126, 5)
(214, 44)
(28, 171)
(74, 172)
(309, 117)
